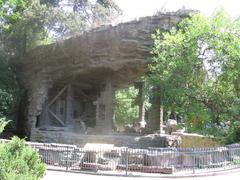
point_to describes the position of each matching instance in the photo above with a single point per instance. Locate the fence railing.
(151, 160)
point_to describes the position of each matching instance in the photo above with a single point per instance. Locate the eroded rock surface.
(95, 64)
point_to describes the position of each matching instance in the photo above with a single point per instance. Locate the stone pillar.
(104, 109)
(37, 97)
(109, 104)
(153, 123)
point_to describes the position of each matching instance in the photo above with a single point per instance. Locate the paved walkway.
(51, 175)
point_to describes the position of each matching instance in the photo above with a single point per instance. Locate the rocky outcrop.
(120, 53)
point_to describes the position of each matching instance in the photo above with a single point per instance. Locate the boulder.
(171, 126)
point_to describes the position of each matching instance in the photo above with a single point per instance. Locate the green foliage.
(27, 24)
(9, 88)
(19, 161)
(125, 110)
(11, 14)
(196, 69)
(233, 134)
(3, 123)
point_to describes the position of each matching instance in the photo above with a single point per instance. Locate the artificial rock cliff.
(87, 69)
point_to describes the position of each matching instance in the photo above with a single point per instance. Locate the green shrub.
(19, 161)
(126, 111)
(233, 134)
(3, 123)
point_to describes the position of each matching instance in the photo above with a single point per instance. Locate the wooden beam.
(56, 117)
(57, 96)
(83, 94)
(69, 105)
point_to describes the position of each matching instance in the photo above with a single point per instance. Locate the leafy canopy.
(25, 24)
(196, 67)
(126, 111)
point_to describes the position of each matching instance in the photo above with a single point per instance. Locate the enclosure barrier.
(152, 160)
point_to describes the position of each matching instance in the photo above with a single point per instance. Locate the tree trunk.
(141, 103)
(161, 119)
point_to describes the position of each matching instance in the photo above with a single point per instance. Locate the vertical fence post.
(225, 157)
(194, 160)
(67, 159)
(126, 161)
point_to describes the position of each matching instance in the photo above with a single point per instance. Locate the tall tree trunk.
(161, 119)
(141, 103)
(161, 110)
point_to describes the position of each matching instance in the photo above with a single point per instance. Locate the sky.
(133, 9)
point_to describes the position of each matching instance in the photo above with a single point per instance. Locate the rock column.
(104, 109)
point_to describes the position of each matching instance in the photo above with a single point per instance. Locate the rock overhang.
(121, 52)
(63, 77)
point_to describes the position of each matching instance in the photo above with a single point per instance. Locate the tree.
(196, 68)
(3, 123)
(10, 91)
(28, 23)
(126, 112)
(19, 161)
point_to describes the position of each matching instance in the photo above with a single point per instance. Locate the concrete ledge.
(144, 175)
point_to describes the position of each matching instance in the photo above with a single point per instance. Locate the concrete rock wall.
(120, 52)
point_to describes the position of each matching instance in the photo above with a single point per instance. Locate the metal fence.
(152, 160)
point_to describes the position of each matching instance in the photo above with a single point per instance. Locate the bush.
(19, 161)
(3, 123)
(10, 89)
(233, 134)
